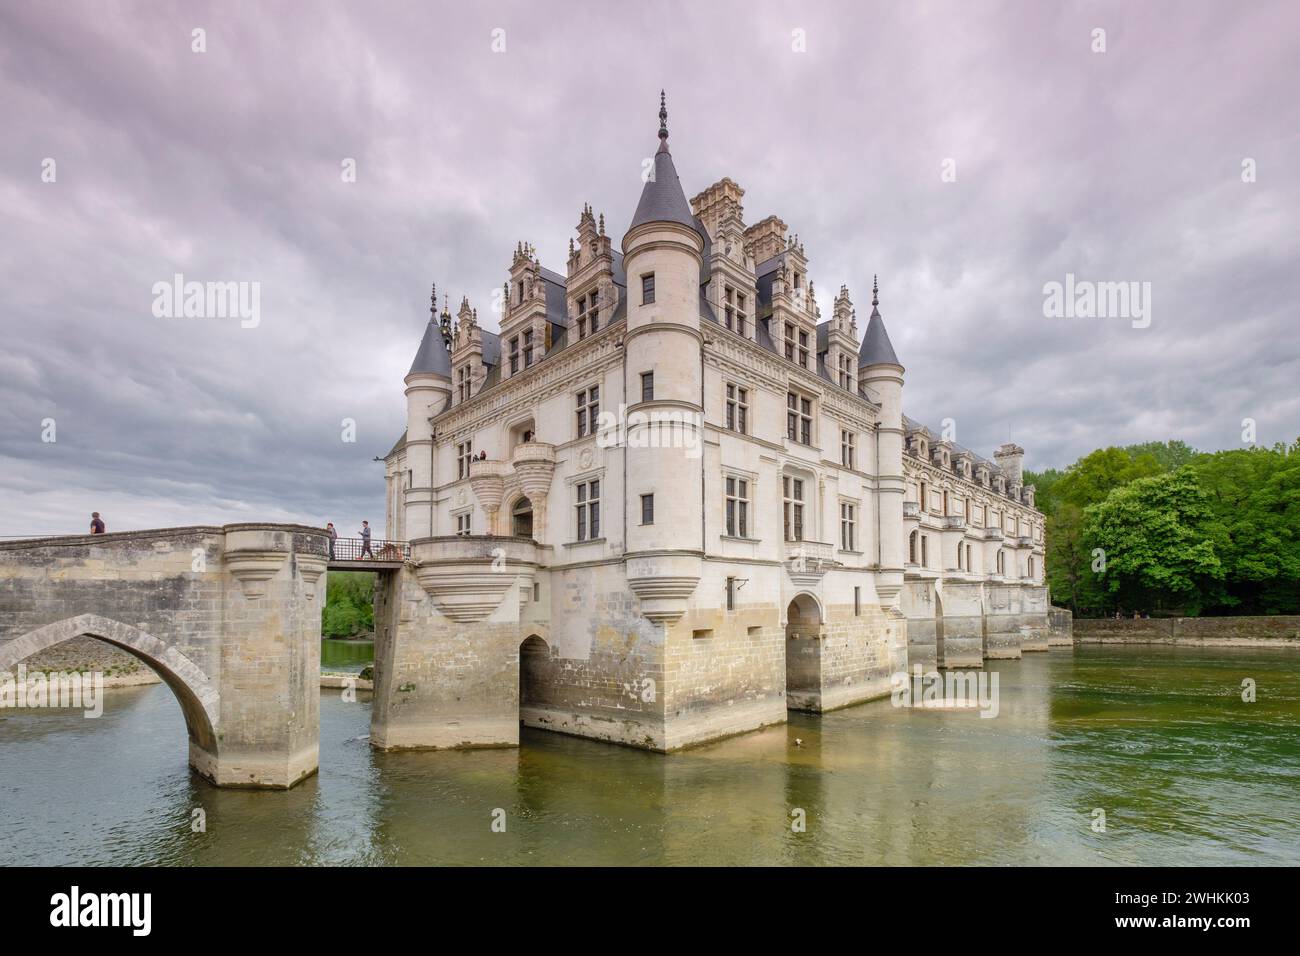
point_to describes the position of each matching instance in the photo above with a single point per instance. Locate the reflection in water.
(1157, 737)
(341, 656)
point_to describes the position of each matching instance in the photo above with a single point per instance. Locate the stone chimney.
(767, 238)
(1011, 459)
(720, 201)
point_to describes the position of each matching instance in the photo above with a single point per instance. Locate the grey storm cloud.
(225, 165)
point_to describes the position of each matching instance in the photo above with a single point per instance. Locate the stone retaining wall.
(1270, 631)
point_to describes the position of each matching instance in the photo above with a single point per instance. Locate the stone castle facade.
(667, 501)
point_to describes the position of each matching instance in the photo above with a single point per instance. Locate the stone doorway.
(803, 649)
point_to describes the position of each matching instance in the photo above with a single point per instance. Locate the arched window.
(911, 547)
(521, 518)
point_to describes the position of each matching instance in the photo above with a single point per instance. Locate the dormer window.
(846, 372)
(803, 349)
(734, 310)
(588, 315)
(789, 341)
(514, 355)
(462, 383)
(528, 348)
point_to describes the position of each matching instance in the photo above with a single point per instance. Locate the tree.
(349, 604)
(1161, 542)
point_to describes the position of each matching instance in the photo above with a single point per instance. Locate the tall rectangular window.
(789, 341)
(803, 349)
(798, 418)
(647, 386)
(647, 288)
(734, 310)
(792, 492)
(528, 348)
(848, 525)
(737, 498)
(857, 601)
(462, 383)
(588, 315)
(514, 355)
(848, 441)
(731, 594)
(648, 509)
(462, 524)
(588, 509)
(925, 551)
(464, 452)
(588, 410)
(737, 408)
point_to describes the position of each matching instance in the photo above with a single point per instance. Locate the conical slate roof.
(432, 359)
(876, 348)
(662, 198)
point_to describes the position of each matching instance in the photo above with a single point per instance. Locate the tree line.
(349, 604)
(1162, 529)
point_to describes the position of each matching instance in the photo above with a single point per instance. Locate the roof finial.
(663, 116)
(433, 304)
(875, 290)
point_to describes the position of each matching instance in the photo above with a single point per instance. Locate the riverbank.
(1274, 631)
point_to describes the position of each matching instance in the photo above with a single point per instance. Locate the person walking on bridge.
(365, 539)
(334, 536)
(96, 523)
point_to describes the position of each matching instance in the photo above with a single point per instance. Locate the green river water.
(1157, 737)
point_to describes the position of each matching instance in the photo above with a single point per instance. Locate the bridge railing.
(377, 549)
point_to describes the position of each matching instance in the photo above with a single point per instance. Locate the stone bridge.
(228, 616)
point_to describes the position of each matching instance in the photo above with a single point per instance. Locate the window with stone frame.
(848, 526)
(789, 341)
(737, 506)
(588, 315)
(734, 310)
(648, 288)
(846, 372)
(588, 405)
(463, 524)
(803, 349)
(798, 418)
(737, 408)
(588, 509)
(514, 354)
(848, 449)
(464, 454)
(792, 490)
(647, 386)
(528, 348)
(462, 383)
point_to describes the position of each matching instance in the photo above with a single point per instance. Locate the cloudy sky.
(969, 153)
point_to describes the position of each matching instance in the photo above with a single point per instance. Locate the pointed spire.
(431, 358)
(662, 198)
(876, 348)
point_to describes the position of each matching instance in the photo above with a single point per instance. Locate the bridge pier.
(229, 617)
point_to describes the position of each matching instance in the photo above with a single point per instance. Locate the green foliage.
(1184, 532)
(1160, 540)
(349, 604)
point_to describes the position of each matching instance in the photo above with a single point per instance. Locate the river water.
(1156, 737)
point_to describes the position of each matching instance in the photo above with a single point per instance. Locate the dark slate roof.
(557, 310)
(401, 443)
(662, 198)
(876, 348)
(911, 425)
(491, 348)
(432, 358)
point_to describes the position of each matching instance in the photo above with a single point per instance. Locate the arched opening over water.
(521, 518)
(803, 670)
(534, 662)
(198, 697)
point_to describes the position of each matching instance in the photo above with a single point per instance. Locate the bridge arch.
(198, 696)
